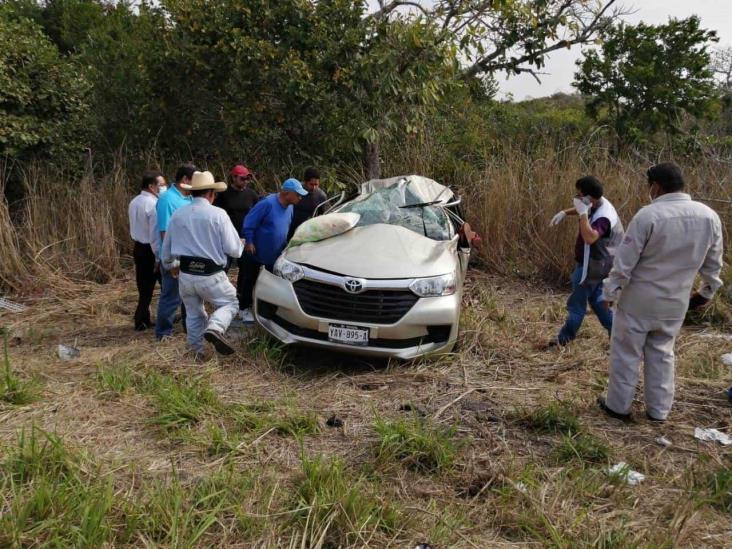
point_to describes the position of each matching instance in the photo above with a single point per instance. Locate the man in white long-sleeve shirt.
(667, 243)
(198, 240)
(142, 218)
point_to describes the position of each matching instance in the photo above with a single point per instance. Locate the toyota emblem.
(353, 286)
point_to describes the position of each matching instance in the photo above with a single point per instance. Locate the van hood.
(379, 251)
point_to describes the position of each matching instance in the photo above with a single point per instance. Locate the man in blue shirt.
(167, 204)
(265, 234)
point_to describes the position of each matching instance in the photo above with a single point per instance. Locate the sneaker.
(219, 342)
(612, 413)
(654, 419)
(246, 316)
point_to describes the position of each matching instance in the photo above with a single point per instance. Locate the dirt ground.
(501, 468)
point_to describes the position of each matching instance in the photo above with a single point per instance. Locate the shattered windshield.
(397, 205)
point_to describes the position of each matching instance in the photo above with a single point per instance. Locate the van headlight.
(292, 272)
(434, 286)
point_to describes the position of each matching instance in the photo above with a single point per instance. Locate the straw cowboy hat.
(202, 181)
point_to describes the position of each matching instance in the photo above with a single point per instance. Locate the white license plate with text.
(350, 335)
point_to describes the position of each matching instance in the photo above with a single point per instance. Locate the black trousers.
(248, 273)
(145, 276)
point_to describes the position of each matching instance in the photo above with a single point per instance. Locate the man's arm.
(589, 235)
(254, 220)
(626, 258)
(712, 266)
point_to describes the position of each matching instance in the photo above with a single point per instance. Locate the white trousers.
(651, 340)
(215, 289)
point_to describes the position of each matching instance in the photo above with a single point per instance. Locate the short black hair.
(149, 177)
(310, 173)
(186, 170)
(200, 192)
(668, 176)
(589, 185)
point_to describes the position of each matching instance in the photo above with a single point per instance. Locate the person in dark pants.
(236, 201)
(305, 209)
(265, 235)
(141, 213)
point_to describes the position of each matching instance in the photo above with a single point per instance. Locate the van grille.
(372, 306)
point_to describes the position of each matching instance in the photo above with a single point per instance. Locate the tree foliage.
(43, 97)
(646, 78)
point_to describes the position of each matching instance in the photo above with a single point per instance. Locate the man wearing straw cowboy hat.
(200, 237)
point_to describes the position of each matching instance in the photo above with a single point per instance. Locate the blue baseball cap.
(294, 185)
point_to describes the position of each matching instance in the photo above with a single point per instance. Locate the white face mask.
(586, 200)
(162, 189)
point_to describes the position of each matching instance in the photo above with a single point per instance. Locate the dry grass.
(257, 465)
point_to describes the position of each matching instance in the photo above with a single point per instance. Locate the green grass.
(416, 444)
(703, 364)
(583, 447)
(50, 497)
(284, 418)
(719, 485)
(114, 379)
(14, 390)
(556, 418)
(181, 402)
(336, 508)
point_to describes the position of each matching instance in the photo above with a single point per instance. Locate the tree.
(43, 97)
(722, 67)
(645, 78)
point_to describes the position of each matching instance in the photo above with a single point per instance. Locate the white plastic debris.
(521, 487)
(11, 306)
(712, 435)
(727, 359)
(663, 441)
(623, 471)
(68, 353)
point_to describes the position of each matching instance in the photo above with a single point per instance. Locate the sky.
(714, 14)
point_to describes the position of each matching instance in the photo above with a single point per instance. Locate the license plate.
(350, 335)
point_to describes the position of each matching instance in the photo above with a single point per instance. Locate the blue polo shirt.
(167, 204)
(266, 226)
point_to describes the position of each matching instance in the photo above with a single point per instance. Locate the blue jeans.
(577, 307)
(168, 305)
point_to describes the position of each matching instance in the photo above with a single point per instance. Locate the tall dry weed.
(510, 194)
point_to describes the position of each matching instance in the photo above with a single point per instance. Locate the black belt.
(201, 266)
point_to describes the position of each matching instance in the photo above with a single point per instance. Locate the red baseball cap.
(243, 171)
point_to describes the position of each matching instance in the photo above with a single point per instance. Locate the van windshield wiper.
(421, 204)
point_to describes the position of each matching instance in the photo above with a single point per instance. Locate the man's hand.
(174, 272)
(558, 218)
(698, 301)
(250, 249)
(608, 305)
(581, 207)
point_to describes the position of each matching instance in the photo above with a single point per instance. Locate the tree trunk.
(372, 161)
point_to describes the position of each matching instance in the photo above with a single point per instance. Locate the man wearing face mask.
(141, 213)
(668, 242)
(600, 231)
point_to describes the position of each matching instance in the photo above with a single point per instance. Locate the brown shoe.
(219, 342)
(612, 413)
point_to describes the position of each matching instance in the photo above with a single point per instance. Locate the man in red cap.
(237, 200)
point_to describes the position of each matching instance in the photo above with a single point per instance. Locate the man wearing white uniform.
(142, 218)
(198, 241)
(667, 243)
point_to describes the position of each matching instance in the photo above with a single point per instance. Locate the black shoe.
(612, 413)
(219, 342)
(655, 419)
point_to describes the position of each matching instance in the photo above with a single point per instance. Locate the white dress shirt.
(142, 217)
(667, 243)
(200, 230)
